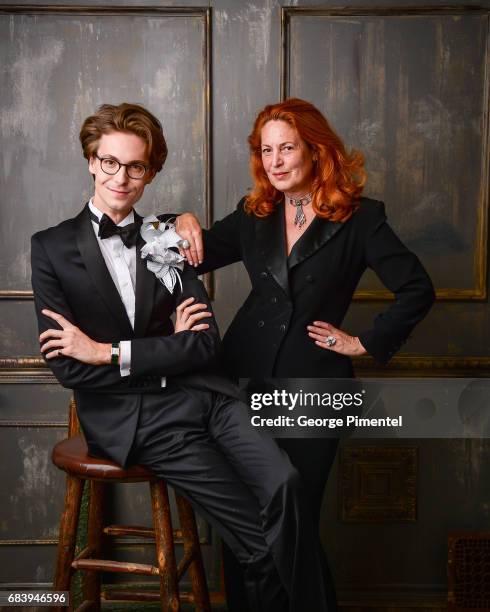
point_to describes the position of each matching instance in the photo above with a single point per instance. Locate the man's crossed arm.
(71, 341)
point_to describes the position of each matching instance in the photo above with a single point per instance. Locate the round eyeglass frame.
(119, 164)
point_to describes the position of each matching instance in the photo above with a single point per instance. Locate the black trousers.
(313, 458)
(236, 476)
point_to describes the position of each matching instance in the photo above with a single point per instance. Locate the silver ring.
(330, 340)
(185, 244)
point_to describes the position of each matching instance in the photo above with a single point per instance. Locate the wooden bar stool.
(71, 456)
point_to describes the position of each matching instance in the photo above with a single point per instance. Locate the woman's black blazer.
(268, 336)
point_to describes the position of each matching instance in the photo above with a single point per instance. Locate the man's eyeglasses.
(112, 166)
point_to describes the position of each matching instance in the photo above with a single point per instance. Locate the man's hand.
(189, 228)
(187, 316)
(329, 337)
(72, 342)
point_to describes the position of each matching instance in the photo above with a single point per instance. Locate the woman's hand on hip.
(328, 337)
(189, 228)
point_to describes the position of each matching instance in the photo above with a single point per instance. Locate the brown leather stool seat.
(71, 456)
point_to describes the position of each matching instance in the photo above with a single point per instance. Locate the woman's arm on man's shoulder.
(219, 246)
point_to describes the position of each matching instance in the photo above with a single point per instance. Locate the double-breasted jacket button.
(261, 323)
(282, 327)
(273, 299)
(263, 275)
(310, 279)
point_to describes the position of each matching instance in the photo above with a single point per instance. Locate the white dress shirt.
(121, 263)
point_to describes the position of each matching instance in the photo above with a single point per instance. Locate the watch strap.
(115, 352)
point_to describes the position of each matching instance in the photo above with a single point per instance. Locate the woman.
(306, 235)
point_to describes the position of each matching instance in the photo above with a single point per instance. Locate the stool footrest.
(115, 566)
(130, 530)
(133, 595)
(142, 532)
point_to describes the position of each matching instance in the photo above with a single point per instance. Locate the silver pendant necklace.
(300, 217)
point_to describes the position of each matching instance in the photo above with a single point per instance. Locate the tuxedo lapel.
(319, 232)
(271, 240)
(98, 272)
(145, 291)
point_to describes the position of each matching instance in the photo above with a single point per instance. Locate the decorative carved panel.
(378, 484)
(469, 571)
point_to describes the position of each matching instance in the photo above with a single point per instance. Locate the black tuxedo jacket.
(69, 276)
(268, 336)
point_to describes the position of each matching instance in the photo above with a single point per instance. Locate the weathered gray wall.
(408, 87)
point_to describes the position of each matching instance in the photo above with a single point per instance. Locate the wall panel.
(61, 64)
(409, 88)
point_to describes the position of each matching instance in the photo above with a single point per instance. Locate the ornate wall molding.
(33, 370)
(424, 367)
(25, 370)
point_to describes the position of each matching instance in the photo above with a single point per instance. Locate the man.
(148, 393)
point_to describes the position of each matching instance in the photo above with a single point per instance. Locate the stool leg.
(68, 534)
(94, 542)
(164, 543)
(191, 544)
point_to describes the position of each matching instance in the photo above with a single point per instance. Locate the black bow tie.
(128, 233)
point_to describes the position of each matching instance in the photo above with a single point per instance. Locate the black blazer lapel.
(145, 292)
(319, 232)
(98, 272)
(271, 240)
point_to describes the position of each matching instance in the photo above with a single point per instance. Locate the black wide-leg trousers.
(313, 459)
(203, 444)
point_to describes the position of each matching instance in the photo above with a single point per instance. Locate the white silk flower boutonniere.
(165, 263)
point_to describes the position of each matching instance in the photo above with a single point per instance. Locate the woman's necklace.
(300, 218)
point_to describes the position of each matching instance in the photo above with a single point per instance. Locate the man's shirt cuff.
(125, 354)
(125, 365)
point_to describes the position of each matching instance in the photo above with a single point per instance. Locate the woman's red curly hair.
(339, 176)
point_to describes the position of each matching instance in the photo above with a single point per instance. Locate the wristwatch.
(115, 352)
